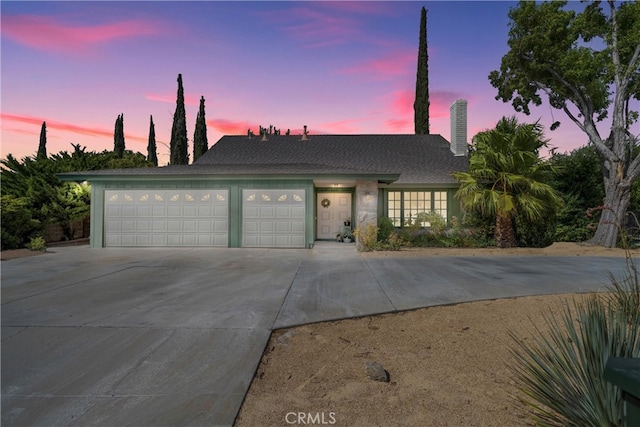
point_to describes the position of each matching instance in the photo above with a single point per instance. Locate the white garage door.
(273, 218)
(166, 217)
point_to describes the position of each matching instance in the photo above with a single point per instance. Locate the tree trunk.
(616, 202)
(505, 233)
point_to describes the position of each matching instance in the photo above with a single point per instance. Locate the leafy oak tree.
(587, 65)
(421, 104)
(178, 145)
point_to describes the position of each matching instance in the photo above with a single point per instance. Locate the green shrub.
(18, 225)
(367, 235)
(432, 220)
(537, 234)
(561, 373)
(385, 228)
(37, 244)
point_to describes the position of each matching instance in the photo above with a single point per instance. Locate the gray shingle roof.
(417, 158)
(405, 159)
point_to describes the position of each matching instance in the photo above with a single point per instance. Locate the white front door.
(333, 210)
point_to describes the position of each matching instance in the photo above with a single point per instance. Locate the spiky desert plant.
(561, 372)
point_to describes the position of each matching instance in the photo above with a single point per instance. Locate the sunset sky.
(337, 67)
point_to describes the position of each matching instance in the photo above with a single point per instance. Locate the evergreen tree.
(152, 156)
(118, 137)
(200, 143)
(421, 104)
(42, 148)
(178, 145)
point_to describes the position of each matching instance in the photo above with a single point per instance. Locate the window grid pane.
(415, 202)
(394, 207)
(440, 203)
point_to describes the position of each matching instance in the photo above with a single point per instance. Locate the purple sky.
(337, 67)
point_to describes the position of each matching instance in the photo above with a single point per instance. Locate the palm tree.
(507, 177)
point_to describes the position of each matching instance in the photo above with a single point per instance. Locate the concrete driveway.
(173, 336)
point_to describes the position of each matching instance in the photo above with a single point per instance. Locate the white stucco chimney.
(458, 113)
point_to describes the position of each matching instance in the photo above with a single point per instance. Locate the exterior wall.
(366, 204)
(234, 187)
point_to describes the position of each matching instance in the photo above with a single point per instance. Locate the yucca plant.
(560, 372)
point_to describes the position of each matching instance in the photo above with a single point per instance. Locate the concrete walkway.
(173, 336)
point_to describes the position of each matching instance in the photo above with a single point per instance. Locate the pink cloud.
(399, 125)
(315, 28)
(230, 127)
(401, 102)
(392, 65)
(347, 126)
(48, 34)
(63, 127)
(188, 99)
(362, 7)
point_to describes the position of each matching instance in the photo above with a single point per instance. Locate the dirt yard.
(447, 365)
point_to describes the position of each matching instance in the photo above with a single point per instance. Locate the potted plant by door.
(347, 235)
(347, 222)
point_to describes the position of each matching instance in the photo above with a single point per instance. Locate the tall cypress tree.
(42, 148)
(421, 104)
(152, 156)
(200, 142)
(178, 145)
(118, 136)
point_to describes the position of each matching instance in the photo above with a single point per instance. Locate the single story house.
(278, 191)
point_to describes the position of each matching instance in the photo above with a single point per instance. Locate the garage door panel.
(157, 226)
(267, 226)
(159, 211)
(219, 226)
(297, 212)
(158, 239)
(251, 212)
(166, 218)
(251, 226)
(283, 226)
(271, 218)
(267, 212)
(143, 239)
(283, 211)
(128, 240)
(112, 226)
(267, 241)
(189, 225)
(143, 225)
(174, 211)
(189, 240)
(128, 225)
(297, 226)
(192, 211)
(297, 241)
